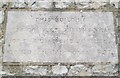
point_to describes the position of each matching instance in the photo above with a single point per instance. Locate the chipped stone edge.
(50, 66)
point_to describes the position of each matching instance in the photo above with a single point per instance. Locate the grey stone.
(59, 70)
(115, 4)
(39, 4)
(97, 68)
(83, 1)
(79, 70)
(37, 70)
(0, 54)
(101, 1)
(110, 68)
(12, 70)
(82, 5)
(52, 36)
(1, 34)
(2, 3)
(2, 72)
(62, 5)
(96, 5)
(114, 0)
(18, 4)
(106, 70)
(1, 17)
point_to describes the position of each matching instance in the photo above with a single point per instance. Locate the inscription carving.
(60, 37)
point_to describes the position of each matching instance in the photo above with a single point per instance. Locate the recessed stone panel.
(60, 37)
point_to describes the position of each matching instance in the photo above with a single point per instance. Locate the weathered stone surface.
(82, 5)
(115, 4)
(33, 4)
(37, 70)
(18, 5)
(59, 70)
(1, 21)
(89, 5)
(11, 70)
(106, 69)
(62, 4)
(84, 1)
(114, 0)
(52, 36)
(1, 34)
(1, 17)
(1, 4)
(40, 5)
(96, 5)
(105, 1)
(100, 1)
(0, 70)
(79, 70)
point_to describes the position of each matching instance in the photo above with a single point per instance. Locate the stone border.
(56, 69)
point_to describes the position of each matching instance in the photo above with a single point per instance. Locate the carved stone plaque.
(60, 37)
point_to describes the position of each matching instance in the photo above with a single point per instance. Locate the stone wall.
(57, 69)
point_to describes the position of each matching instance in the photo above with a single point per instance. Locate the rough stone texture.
(84, 1)
(1, 34)
(99, 1)
(62, 5)
(59, 70)
(11, 70)
(40, 5)
(3, 4)
(33, 4)
(1, 17)
(36, 70)
(79, 70)
(90, 5)
(49, 4)
(74, 70)
(75, 35)
(106, 70)
(18, 5)
(114, 0)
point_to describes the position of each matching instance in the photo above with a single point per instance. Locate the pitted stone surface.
(52, 36)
